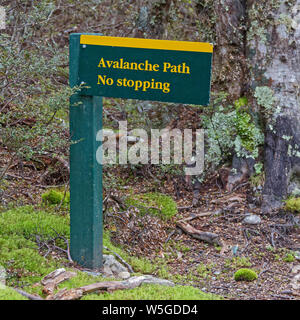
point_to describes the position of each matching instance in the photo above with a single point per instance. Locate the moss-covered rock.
(155, 203)
(245, 274)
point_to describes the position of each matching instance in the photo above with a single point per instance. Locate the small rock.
(295, 283)
(92, 273)
(148, 279)
(107, 272)
(109, 261)
(296, 269)
(252, 219)
(124, 275)
(2, 277)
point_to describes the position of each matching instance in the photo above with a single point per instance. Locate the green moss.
(82, 279)
(19, 255)
(289, 257)
(293, 205)
(153, 203)
(155, 292)
(10, 294)
(237, 262)
(27, 222)
(56, 197)
(204, 270)
(245, 274)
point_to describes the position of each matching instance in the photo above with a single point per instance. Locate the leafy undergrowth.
(24, 229)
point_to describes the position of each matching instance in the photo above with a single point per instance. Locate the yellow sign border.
(146, 43)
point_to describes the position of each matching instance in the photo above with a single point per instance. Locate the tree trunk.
(229, 59)
(258, 52)
(152, 18)
(273, 40)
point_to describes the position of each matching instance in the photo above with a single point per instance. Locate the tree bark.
(152, 18)
(229, 58)
(258, 47)
(273, 52)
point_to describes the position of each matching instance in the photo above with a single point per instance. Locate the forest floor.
(266, 248)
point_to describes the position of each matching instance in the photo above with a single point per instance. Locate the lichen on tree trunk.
(273, 42)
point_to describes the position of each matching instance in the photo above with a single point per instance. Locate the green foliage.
(31, 121)
(293, 205)
(245, 274)
(289, 257)
(249, 136)
(237, 262)
(56, 197)
(153, 203)
(155, 292)
(203, 270)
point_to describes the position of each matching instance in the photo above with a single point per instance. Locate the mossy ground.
(154, 203)
(10, 294)
(23, 227)
(155, 292)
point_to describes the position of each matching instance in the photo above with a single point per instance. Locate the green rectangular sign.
(171, 71)
(160, 70)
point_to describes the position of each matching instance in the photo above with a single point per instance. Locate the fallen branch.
(209, 237)
(28, 295)
(194, 216)
(109, 286)
(51, 280)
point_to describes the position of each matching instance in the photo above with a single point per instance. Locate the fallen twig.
(109, 286)
(28, 295)
(209, 237)
(51, 280)
(194, 216)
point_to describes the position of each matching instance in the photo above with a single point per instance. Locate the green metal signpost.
(160, 70)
